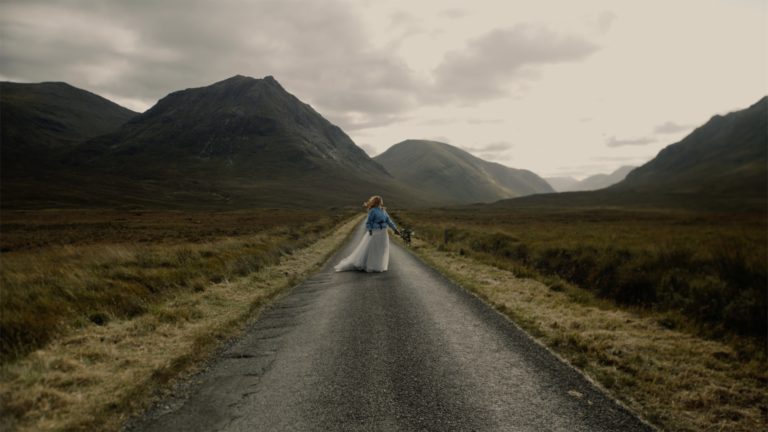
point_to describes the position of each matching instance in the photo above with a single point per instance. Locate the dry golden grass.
(675, 380)
(75, 268)
(94, 377)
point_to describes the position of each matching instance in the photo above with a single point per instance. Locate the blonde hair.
(374, 201)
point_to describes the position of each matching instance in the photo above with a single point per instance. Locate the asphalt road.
(402, 350)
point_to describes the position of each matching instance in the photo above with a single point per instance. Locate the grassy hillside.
(453, 176)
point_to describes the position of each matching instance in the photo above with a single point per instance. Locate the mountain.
(453, 176)
(41, 120)
(727, 155)
(235, 126)
(600, 181)
(240, 142)
(721, 165)
(594, 182)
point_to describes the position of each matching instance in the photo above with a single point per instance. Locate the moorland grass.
(93, 377)
(62, 270)
(665, 309)
(706, 270)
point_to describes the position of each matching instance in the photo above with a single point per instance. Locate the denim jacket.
(378, 219)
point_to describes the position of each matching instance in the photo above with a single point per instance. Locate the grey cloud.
(485, 68)
(671, 127)
(495, 150)
(604, 21)
(477, 121)
(357, 121)
(494, 147)
(436, 122)
(497, 146)
(402, 26)
(623, 158)
(454, 13)
(614, 142)
(446, 121)
(402, 19)
(405, 24)
(143, 50)
(320, 51)
(442, 139)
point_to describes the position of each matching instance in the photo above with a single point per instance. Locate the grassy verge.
(94, 376)
(670, 374)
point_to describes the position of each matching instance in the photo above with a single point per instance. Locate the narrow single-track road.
(402, 350)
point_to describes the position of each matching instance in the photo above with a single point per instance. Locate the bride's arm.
(391, 223)
(369, 222)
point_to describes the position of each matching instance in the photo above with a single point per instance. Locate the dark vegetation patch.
(707, 269)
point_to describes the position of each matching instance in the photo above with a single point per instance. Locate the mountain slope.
(599, 181)
(40, 120)
(726, 155)
(232, 126)
(453, 176)
(240, 142)
(721, 165)
(593, 182)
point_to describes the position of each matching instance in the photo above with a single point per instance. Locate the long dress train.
(370, 255)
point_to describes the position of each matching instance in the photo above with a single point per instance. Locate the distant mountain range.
(721, 165)
(240, 142)
(593, 182)
(453, 176)
(246, 142)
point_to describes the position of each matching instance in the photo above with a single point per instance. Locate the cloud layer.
(488, 64)
(671, 127)
(136, 52)
(144, 50)
(615, 142)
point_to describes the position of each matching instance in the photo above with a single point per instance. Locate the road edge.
(178, 388)
(530, 337)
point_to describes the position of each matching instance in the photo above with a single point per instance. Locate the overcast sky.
(558, 87)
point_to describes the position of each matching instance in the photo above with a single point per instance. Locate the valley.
(125, 232)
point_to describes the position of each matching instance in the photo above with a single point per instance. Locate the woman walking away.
(372, 253)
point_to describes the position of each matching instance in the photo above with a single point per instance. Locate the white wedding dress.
(370, 255)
